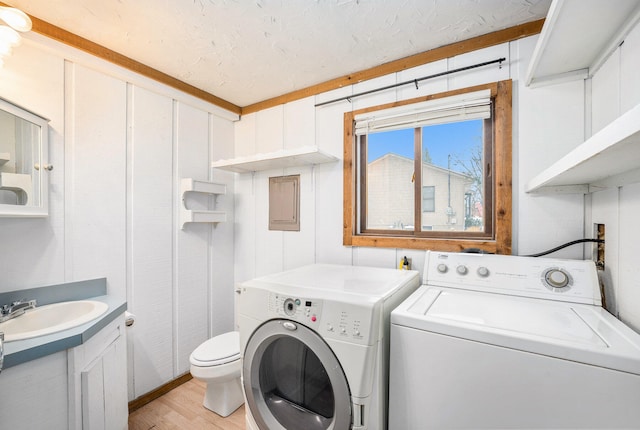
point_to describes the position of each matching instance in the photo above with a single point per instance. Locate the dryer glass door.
(292, 380)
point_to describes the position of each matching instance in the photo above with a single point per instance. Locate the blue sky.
(441, 140)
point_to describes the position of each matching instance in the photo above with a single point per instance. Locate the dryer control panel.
(347, 322)
(295, 308)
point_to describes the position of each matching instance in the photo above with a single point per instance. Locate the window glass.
(389, 184)
(452, 168)
(452, 163)
(428, 201)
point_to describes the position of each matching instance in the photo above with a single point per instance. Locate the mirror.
(23, 162)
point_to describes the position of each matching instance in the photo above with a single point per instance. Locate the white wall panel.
(299, 247)
(33, 249)
(375, 257)
(95, 168)
(245, 136)
(329, 180)
(375, 98)
(151, 236)
(605, 93)
(481, 75)
(549, 122)
(629, 269)
(268, 244)
(426, 87)
(244, 228)
(221, 247)
(629, 66)
(192, 242)
(299, 123)
(270, 129)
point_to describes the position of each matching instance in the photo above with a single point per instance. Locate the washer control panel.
(557, 279)
(348, 322)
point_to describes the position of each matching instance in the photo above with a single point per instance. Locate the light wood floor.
(181, 408)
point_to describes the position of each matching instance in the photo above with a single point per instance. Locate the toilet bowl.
(217, 362)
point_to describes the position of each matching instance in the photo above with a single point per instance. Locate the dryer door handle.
(289, 326)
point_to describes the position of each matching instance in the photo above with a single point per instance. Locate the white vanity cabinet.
(97, 382)
(84, 387)
(33, 395)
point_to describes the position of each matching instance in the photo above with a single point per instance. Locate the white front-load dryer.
(315, 346)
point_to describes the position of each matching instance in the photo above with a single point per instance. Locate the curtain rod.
(413, 81)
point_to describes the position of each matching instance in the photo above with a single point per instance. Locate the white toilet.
(217, 362)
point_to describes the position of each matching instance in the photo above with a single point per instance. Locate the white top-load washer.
(495, 342)
(315, 344)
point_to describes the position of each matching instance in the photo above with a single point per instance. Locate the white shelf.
(305, 156)
(203, 216)
(577, 38)
(189, 185)
(4, 158)
(608, 159)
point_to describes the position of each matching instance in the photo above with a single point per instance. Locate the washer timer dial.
(556, 278)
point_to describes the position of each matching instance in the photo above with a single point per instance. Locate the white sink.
(51, 319)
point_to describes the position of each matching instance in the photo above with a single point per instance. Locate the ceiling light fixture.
(17, 21)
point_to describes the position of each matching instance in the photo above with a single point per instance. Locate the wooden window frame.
(500, 240)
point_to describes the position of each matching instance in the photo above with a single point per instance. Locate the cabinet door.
(104, 390)
(114, 366)
(93, 413)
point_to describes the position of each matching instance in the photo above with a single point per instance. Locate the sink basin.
(52, 318)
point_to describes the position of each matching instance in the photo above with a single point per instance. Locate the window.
(431, 173)
(428, 199)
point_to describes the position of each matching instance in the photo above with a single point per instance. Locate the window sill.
(448, 245)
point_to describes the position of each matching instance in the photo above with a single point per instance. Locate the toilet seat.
(218, 350)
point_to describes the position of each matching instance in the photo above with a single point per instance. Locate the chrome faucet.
(16, 309)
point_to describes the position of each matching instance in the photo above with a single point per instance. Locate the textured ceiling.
(246, 51)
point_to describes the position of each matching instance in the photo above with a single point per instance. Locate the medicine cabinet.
(24, 164)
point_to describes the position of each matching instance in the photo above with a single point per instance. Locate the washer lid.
(217, 350)
(582, 333)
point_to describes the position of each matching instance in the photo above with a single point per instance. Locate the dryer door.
(293, 380)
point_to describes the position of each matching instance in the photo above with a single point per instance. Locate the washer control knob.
(343, 330)
(557, 278)
(462, 269)
(356, 332)
(329, 327)
(483, 272)
(442, 268)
